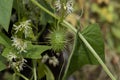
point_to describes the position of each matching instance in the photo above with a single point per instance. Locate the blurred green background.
(107, 14)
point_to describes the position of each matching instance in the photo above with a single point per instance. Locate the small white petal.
(54, 61)
(19, 44)
(23, 26)
(11, 56)
(69, 7)
(57, 5)
(45, 58)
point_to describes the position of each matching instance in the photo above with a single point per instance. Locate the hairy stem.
(66, 24)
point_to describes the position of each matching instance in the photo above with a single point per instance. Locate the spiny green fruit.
(57, 39)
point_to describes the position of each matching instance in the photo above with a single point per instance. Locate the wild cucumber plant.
(22, 41)
(57, 39)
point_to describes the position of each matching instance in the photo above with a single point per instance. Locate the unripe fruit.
(57, 39)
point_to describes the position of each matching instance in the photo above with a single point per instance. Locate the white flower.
(57, 5)
(58, 54)
(19, 44)
(24, 26)
(45, 58)
(54, 61)
(18, 65)
(21, 64)
(69, 7)
(16, 62)
(11, 56)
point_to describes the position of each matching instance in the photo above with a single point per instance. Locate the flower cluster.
(11, 56)
(24, 27)
(16, 62)
(57, 5)
(52, 60)
(21, 64)
(19, 44)
(68, 7)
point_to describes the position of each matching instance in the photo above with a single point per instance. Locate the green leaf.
(5, 13)
(45, 18)
(49, 74)
(81, 55)
(2, 63)
(2, 66)
(41, 72)
(4, 39)
(44, 70)
(34, 51)
(3, 59)
(6, 51)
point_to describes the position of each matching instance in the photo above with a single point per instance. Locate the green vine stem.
(25, 78)
(66, 24)
(34, 69)
(19, 74)
(14, 76)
